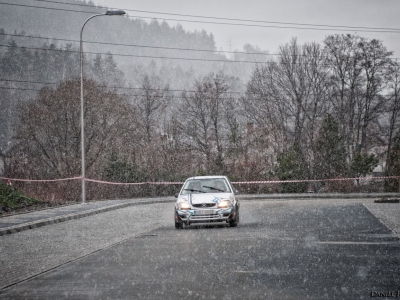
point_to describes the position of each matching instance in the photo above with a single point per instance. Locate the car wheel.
(234, 222)
(178, 225)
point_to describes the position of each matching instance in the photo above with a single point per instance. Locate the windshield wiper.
(193, 190)
(213, 188)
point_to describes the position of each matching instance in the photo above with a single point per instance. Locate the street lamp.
(108, 13)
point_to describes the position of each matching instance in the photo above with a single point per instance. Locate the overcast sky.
(350, 13)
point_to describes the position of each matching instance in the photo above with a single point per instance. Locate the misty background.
(163, 103)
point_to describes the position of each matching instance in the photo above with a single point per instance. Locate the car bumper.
(204, 216)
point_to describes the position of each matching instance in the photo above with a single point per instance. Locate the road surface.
(298, 249)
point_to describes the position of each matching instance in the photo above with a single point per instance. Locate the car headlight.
(183, 206)
(224, 204)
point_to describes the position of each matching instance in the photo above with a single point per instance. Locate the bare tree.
(202, 120)
(288, 97)
(263, 108)
(375, 65)
(344, 59)
(49, 132)
(358, 67)
(394, 102)
(150, 103)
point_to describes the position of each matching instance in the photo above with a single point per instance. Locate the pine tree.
(330, 160)
(120, 170)
(292, 166)
(363, 164)
(393, 165)
(10, 61)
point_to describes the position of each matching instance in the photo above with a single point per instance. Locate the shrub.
(11, 198)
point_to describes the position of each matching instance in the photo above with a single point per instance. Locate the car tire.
(235, 221)
(178, 225)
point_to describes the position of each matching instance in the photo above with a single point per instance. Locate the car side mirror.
(176, 195)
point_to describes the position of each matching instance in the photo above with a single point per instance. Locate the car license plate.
(205, 212)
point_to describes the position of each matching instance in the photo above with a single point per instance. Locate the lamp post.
(108, 13)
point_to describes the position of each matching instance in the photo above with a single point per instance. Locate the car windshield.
(209, 185)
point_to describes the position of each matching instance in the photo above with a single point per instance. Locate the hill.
(133, 42)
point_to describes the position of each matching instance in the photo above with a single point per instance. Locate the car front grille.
(206, 217)
(204, 205)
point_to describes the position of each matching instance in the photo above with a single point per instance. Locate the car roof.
(208, 177)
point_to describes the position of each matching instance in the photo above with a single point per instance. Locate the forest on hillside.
(136, 44)
(315, 112)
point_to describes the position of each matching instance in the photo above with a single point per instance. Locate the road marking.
(353, 243)
(146, 235)
(246, 272)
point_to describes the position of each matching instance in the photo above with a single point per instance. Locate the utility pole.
(230, 48)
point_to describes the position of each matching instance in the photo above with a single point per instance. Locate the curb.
(73, 216)
(387, 200)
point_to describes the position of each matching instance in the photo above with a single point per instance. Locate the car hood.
(206, 198)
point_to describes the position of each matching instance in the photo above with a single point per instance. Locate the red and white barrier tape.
(132, 183)
(89, 180)
(40, 180)
(175, 183)
(315, 180)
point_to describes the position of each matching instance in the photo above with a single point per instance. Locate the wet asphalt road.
(281, 250)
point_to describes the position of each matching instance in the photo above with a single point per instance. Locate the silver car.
(206, 199)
